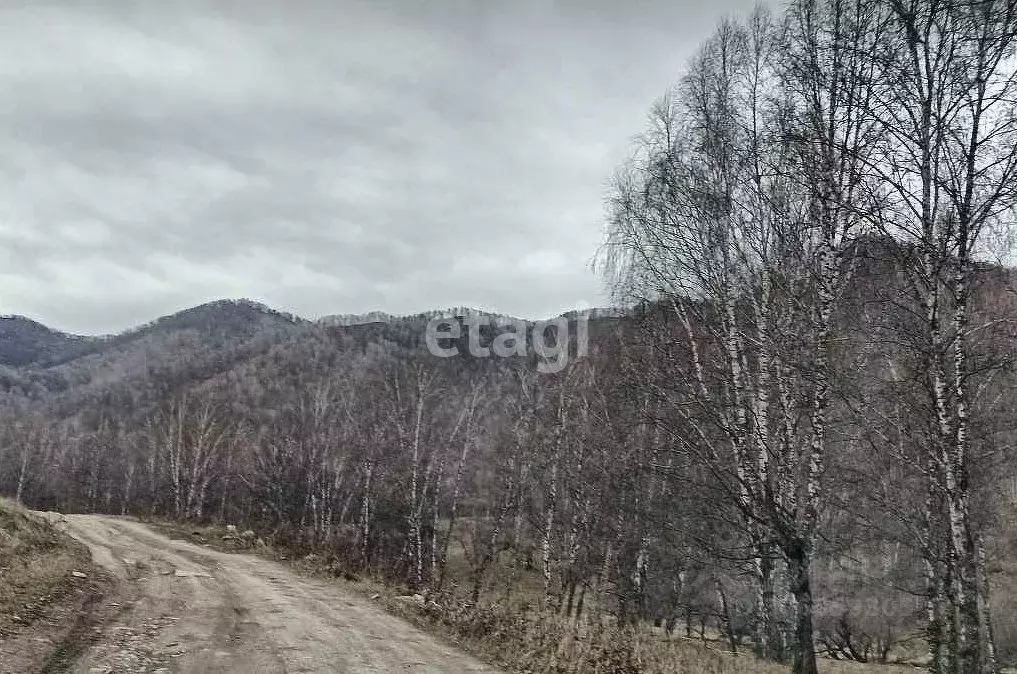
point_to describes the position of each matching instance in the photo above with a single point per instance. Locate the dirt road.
(191, 609)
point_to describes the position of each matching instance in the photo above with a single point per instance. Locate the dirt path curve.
(191, 609)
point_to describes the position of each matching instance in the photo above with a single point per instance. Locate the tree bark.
(799, 564)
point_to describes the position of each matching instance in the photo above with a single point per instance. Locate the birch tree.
(950, 170)
(737, 214)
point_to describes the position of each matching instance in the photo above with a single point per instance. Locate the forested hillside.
(482, 478)
(25, 342)
(842, 403)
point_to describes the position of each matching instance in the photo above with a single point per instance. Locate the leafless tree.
(738, 214)
(948, 170)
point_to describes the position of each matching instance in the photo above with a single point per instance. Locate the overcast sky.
(333, 157)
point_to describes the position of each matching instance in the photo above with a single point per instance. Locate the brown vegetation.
(798, 440)
(49, 594)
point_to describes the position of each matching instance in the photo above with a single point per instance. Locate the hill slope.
(48, 592)
(24, 342)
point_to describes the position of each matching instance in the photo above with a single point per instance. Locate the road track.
(190, 609)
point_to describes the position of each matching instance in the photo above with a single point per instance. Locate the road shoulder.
(53, 599)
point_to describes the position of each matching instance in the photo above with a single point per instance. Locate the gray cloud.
(328, 157)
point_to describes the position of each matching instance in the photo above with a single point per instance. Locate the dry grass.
(36, 565)
(537, 643)
(518, 638)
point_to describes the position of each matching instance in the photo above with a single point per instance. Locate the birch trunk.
(726, 624)
(551, 507)
(416, 540)
(26, 454)
(365, 516)
(799, 563)
(990, 665)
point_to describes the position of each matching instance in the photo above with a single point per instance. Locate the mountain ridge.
(26, 342)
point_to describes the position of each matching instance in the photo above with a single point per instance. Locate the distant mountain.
(229, 315)
(196, 346)
(24, 342)
(144, 363)
(339, 320)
